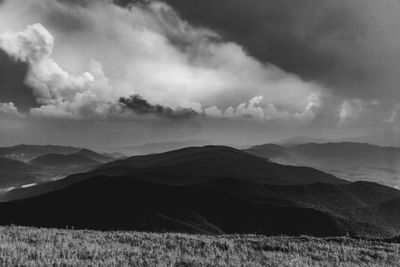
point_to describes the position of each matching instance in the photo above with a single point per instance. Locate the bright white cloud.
(84, 58)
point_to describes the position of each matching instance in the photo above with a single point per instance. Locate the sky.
(118, 73)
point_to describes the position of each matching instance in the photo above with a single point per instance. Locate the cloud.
(351, 47)
(83, 58)
(12, 86)
(55, 89)
(9, 109)
(278, 67)
(141, 106)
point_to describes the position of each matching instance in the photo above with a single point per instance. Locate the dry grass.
(24, 246)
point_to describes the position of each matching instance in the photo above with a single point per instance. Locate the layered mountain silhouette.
(29, 152)
(209, 189)
(353, 161)
(36, 165)
(299, 140)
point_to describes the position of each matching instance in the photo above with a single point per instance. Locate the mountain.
(95, 156)
(151, 148)
(189, 166)
(298, 140)
(32, 164)
(193, 164)
(13, 173)
(209, 190)
(219, 206)
(28, 152)
(63, 161)
(352, 161)
(380, 139)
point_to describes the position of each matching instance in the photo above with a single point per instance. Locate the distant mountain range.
(151, 148)
(298, 140)
(391, 139)
(211, 190)
(380, 139)
(31, 164)
(353, 161)
(29, 152)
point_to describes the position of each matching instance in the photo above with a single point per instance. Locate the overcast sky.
(98, 73)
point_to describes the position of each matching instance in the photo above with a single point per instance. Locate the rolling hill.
(199, 164)
(13, 172)
(59, 161)
(29, 152)
(150, 148)
(95, 156)
(352, 161)
(207, 190)
(43, 167)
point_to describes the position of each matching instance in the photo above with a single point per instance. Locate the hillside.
(23, 246)
(13, 172)
(151, 148)
(206, 190)
(94, 156)
(352, 161)
(63, 161)
(201, 164)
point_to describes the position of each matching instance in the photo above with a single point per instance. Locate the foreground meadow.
(25, 246)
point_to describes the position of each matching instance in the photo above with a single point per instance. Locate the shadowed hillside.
(206, 190)
(200, 164)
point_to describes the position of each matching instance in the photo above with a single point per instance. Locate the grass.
(25, 246)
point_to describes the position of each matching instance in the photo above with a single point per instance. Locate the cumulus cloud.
(84, 58)
(9, 109)
(92, 60)
(55, 89)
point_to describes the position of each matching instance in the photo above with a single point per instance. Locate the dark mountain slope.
(129, 203)
(199, 164)
(220, 206)
(205, 190)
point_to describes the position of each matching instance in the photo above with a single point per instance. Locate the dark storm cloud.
(12, 85)
(351, 46)
(141, 106)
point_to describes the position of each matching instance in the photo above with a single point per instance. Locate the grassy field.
(24, 246)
